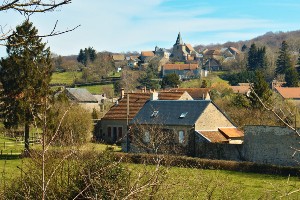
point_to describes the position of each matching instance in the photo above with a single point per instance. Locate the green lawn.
(65, 77)
(187, 183)
(98, 89)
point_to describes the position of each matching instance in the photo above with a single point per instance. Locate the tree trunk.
(26, 137)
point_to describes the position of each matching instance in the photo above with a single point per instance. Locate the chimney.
(154, 96)
(122, 93)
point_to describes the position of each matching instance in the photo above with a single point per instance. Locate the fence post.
(4, 145)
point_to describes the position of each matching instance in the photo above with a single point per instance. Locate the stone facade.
(212, 119)
(111, 131)
(271, 145)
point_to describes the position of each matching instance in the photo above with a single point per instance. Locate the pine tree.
(283, 61)
(252, 58)
(25, 76)
(291, 77)
(261, 88)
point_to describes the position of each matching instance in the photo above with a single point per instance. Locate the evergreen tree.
(298, 62)
(86, 55)
(244, 48)
(291, 77)
(261, 88)
(257, 58)
(171, 80)
(148, 80)
(283, 61)
(25, 75)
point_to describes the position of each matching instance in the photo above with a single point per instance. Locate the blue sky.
(135, 25)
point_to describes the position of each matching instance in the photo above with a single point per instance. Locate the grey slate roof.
(169, 112)
(81, 95)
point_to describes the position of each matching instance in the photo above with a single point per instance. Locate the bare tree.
(29, 7)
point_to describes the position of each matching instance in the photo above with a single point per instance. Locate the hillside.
(269, 39)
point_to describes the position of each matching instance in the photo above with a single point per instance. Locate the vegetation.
(23, 92)
(67, 78)
(86, 55)
(170, 80)
(71, 123)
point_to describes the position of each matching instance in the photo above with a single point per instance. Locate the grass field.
(187, 183)
(98, 89)
(65, 77)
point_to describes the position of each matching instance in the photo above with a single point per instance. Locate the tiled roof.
(136, 102)
(170, 112)
(212, 52)
(180, 66)
(231, 133)
(190, 47)
(289, 92)
(234, 49)
(213, 136)
(196, 93)
(118, 57)
(81, 95)
(147, 53)
(240, 89)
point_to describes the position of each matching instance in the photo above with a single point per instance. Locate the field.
(65, 77)
(212, 78)
(98, 89)
(189, 183)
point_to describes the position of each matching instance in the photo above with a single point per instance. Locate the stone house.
(184, 71)
(113, 126)
(119, 60)
(188, 122)
(196, 93)
(289, 93)
(83, 97)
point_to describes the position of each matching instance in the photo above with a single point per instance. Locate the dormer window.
(183, 115)
(154, 114)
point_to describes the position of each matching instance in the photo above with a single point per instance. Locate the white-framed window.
(147, 137)
(181, 137)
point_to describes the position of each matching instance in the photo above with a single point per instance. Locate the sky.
(140, 25)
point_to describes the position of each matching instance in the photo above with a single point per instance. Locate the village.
(156, 112)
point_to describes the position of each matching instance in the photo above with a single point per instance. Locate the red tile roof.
(213, 136)
(196, 93)
(190, 47)
(147, 53)
(231, 133)
(235, 50)
(240, 89)
(136, 102)
(289, 92)
(180, 66)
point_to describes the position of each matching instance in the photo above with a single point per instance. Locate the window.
(108, 131)
(181, 137)
(154, 114)
(183, 115)
(147, 137)
(120, 134)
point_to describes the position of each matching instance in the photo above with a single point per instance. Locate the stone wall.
(271, 145)
(220, 151)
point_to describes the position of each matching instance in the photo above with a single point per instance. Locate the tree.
(86, 55)
(148, 80)
(261, 89)
(283, 61)
(244, 47)
(257, 58)
(291, 77)
(171, 80)
(25, 76)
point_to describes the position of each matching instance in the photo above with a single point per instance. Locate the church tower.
(178, 40)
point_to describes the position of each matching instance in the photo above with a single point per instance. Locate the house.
(212, 64)
(132, 62)
(146, 55)
(188, 122)
(291, 93)
(184, 71)
(118, 60)
(83, 97)
(161, 52)
(196, 93)
(183, 52)
(114, 123)
(241, 89)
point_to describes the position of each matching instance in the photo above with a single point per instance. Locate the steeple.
(178, 40)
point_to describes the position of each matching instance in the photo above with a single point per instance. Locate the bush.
(75, 124)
